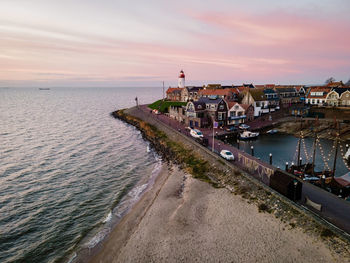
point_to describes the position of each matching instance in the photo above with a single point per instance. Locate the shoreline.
(122, 231)
(185, 219)
(91, 245)
(123, 234)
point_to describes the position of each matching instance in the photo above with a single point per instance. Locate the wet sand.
(182, 219)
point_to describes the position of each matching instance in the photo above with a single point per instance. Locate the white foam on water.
(108, 218)
(72, 258)
(97, 238)
(136, 192)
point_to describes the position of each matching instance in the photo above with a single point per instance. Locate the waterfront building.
(257, 98)
(273, 101)
(190, 93)
(338, 97)
(216, 109)
(196, 114)
(344, 97)
(335, 84)
(229, 94)
(302, 92)
(287, 95)
(236, 113)
(174, 94)
(317, 95)
(177, 112)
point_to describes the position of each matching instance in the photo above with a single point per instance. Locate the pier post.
(252, 149)
(286, 166)
(323, 181)
(270, 158)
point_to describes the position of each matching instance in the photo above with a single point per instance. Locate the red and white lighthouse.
(181, 82)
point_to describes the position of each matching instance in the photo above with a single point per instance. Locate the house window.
(221, 107)
(199, 107)
(219, 116)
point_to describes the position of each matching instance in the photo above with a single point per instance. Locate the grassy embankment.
(163, 106)
(170, 150)
(219, 176)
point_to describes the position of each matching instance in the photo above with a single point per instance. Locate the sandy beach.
(182, 219)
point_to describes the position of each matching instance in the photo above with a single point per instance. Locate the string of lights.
(324, 158)
(307, 156)
(296, 153)
(342, 154)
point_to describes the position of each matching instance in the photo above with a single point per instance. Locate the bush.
(263, 208)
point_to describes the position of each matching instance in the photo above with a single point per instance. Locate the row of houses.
(204, 111)
(230, 105)
(327, 96)
(264, 99)
(269, 97)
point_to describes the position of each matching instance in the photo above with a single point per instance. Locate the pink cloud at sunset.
(234, 44)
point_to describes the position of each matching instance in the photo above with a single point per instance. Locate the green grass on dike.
(163, 106)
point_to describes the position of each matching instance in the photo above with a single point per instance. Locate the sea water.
(68, 170)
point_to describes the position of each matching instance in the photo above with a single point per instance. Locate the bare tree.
(347, 83)
(330, 80)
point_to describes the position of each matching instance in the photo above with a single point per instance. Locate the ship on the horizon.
(44, 88)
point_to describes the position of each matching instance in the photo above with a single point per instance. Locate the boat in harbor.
(248, 135)
(273, 131)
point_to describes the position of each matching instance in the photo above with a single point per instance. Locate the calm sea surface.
(68, 170)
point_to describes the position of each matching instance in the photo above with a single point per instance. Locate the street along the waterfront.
(283, 148)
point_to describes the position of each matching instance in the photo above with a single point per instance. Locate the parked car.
(196, 133)
(227, 155)
(244, 126)
(157, 112)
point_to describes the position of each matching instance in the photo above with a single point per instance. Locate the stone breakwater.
(194, 160)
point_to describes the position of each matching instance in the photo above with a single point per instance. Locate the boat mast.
(314, 155)
(299, 143)
(336, 151)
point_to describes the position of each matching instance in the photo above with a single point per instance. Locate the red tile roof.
(230, 104)
(323, 89)
(213, 92)
(170, 90)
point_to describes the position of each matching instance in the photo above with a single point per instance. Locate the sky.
(117, 43)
